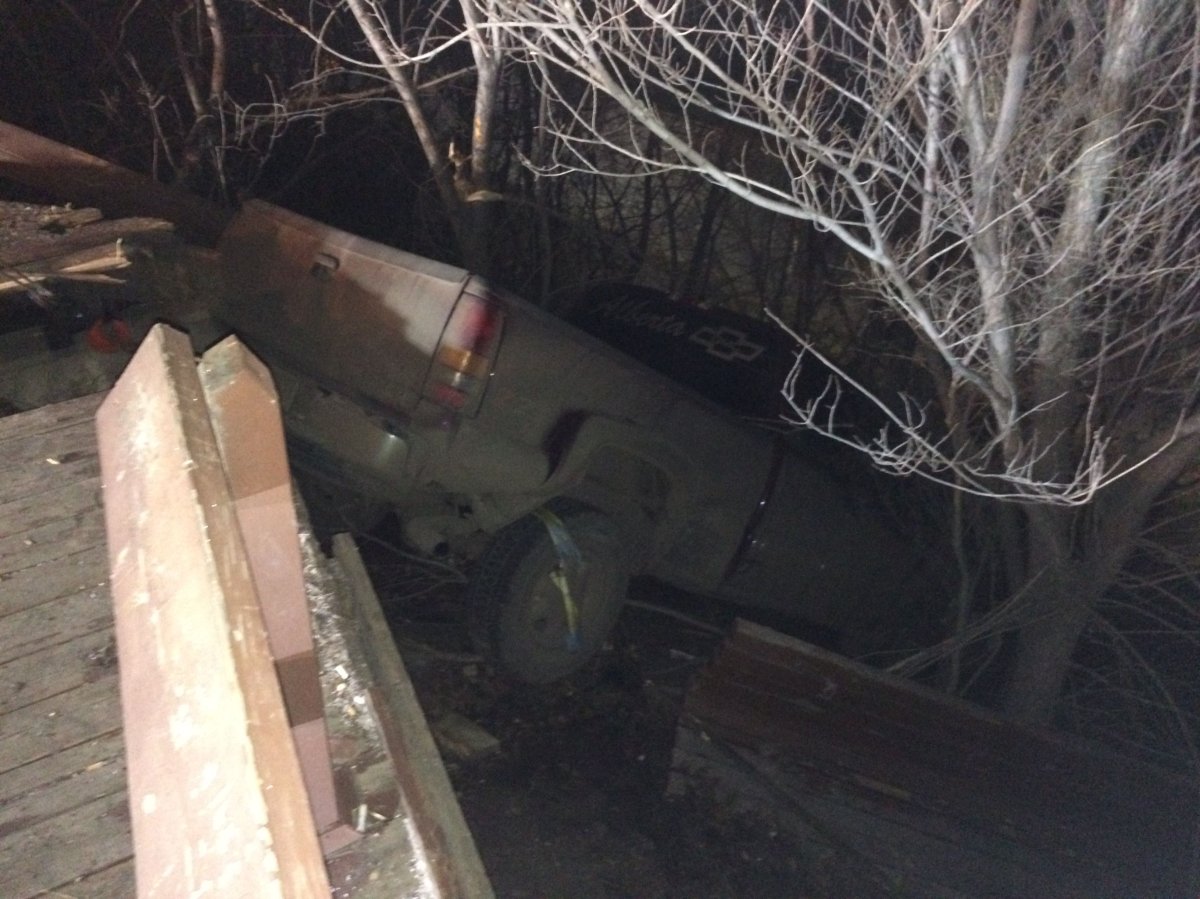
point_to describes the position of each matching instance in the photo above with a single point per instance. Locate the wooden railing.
(217, 794)
(231, 786)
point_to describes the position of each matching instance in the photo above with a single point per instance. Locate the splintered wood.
(39, 242)
(71, 175)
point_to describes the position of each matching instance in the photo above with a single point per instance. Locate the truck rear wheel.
(539, 614)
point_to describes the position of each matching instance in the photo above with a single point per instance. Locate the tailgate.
(354, 314)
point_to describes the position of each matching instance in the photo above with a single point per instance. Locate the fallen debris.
(922, 789)
(40, 242)
(463, 738)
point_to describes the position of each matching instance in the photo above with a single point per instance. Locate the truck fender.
(617, 467)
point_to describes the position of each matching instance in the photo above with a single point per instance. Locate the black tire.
(517, 614)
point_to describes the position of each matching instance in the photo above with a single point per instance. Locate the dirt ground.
(573, 801)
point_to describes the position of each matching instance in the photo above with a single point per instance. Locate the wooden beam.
(77, 177)
(216, 792)
(448, 849)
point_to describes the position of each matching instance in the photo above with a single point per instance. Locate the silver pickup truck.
(415, 386)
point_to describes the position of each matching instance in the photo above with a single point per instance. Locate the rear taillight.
(463, 360)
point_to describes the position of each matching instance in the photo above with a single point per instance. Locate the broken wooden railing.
(908, 787)
(231, 786)
(68, 245)
(77, 177)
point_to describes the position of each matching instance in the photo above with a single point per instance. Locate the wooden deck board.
(62, 782)
(51, 540)
(58, 850)
(67, 441)
(63, 500)
(60, 723)
(48, 461)
(54, 622)
(62, 668)
(69, 573)
(49, 418)
(64, 819)
(113, 882)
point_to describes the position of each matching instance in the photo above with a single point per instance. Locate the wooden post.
(217, 796)
(244, 410)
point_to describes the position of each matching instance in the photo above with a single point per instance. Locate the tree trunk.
(1073, 557)
(1063, 603)
(478, 232)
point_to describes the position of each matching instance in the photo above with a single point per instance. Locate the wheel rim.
(537, 632)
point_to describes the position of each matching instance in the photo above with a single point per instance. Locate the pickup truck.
(478, 418)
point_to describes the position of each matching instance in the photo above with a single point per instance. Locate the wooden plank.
(60, 722)
(31, 679)
(88, 838)
(65, 781)
(53, 540)
(84, 265)
(244, 410)
(48, 624)
(64, 498)
(897, 725)
(79, 177)
(46, 247)
(114, 882)
(977, 794)
(449, 848)
(26, 219)
(735, 708)
(63, 812)
(31, 434)
(196, 672)
(47, 419)
(924, 741)
(906, 709)
(69, 573)
(45, 461)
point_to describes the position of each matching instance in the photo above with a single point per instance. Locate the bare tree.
(173, 91)
(185, 103)
(422, 55)
(474, 116)
(1021, 180)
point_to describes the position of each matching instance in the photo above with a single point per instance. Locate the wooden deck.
(64, 824)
